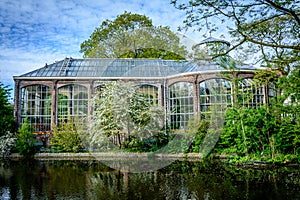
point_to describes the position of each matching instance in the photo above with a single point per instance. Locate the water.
(180, 180)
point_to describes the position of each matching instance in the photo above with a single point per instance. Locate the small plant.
(26, 141)
(7, 142)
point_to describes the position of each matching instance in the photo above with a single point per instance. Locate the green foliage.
(151, 144)
(266, 76)
(132, 36)
(291, 86)
(286, 138)
(153, 53)
(6, 111)
(26, 141)
(245, 131)
(66, 138)
(7, 142)
(269, 27)
(197, 129)
(252, 159)
(266, 131)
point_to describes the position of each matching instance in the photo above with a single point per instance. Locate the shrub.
(195, 131)
(7, 142)
(66, 138)
(266, 130)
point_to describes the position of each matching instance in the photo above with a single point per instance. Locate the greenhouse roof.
(70, 67)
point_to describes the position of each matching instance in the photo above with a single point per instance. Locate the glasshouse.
(53, 93)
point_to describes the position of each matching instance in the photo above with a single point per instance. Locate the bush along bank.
(267, 134)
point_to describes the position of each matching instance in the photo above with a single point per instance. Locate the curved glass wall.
(150, 93)
(214, 92)
(36, 107)
(181, 104)
(252, 94)
(72, 102)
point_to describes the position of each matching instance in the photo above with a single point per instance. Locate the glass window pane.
(150, 93)
(251, 94)
(72, 102)
(214, 92)
(181, 104)
(36, 107)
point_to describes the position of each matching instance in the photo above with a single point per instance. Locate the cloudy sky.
(35, 32)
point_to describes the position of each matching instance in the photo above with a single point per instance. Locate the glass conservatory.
(65, 88)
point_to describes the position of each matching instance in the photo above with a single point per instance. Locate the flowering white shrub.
(7, 142)
(121, 108)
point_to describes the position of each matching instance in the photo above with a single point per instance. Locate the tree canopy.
(132, 36)
(271, 28)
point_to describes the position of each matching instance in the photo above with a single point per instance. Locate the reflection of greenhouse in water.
(65, 88)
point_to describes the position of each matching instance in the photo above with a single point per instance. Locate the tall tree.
(132, 36)
(6, 111)
(271, 28)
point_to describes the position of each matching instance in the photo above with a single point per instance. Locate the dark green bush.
(26, 142)
(7, 123)
(195, 132)
(268, 130)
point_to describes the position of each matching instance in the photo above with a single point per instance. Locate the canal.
(91, 179)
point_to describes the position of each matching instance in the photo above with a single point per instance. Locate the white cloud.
(34, 32)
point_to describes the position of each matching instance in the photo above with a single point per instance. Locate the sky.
(35, 32)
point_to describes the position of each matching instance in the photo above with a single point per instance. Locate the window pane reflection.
(36, 107)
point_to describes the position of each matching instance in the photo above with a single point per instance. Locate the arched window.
(150, 93)
(214, 92)
(36, 107)
(72, 102)
(181, 104)
(251, 93)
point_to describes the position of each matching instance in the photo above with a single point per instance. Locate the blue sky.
(35, 32)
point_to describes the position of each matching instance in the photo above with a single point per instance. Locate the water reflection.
(181, 180)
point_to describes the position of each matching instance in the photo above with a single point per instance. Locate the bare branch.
(284, 10)
(271, 45)
(255, 23)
